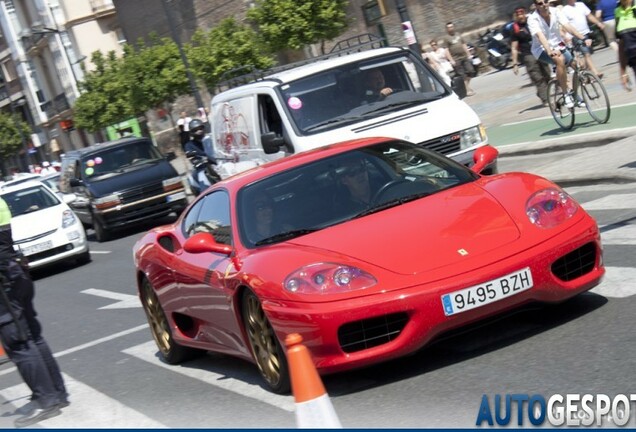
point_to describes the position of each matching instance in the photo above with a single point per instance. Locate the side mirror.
(204, 242)
(68, 198)
(459, 86)
(483, 157)
(75, 182)
(171, 156)
(271, 142)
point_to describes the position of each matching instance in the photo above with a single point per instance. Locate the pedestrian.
(461, 56)
(625, 15)
(21, 334)
(578, 15)
(183, 127)
(442, 61)
(521, 41)
(545, 26)
(47, 168)
(605, 13)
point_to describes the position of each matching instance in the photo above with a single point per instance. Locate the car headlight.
(328, 278)
(68, 218)
(472, 137)
(107, 202)
(550, 207)
(172, 184)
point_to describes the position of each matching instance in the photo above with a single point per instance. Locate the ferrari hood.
(445, 229)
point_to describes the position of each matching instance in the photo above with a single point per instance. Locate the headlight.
(68, 219)
(328, 278)
(107, 202)
(550, 207)
(172, 184)
(472, 137)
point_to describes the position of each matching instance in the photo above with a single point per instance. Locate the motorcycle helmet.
(197, 128)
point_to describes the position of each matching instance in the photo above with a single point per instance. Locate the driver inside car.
(357, 193)
(376, 88)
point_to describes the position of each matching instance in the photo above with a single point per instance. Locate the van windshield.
(362, 90)
(119, 159)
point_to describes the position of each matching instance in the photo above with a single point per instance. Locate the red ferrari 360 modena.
(369, 249)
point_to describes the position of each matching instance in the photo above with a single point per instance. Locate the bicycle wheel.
(562, 115)
(595, 96)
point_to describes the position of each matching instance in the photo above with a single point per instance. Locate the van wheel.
(101, 233)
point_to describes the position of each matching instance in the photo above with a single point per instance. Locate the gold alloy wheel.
(157, 319)
(263, 340)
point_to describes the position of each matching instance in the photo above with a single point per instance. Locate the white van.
(325, 100)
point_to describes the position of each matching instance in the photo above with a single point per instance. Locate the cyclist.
(626, 34)
(545, 27)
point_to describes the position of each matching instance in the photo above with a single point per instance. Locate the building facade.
(49, 41)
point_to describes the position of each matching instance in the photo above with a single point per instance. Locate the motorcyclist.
(195, 150)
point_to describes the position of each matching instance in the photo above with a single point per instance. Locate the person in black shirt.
(521, 41)
(21, 334)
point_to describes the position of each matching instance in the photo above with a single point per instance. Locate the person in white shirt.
(545, 27)
(578, 15)
(441, 61)
(47, 168)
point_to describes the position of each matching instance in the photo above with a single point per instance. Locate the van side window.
(269, 117)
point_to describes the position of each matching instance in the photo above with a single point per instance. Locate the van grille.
(445, 145)
(368, 333)
(142, 192)
(576, 263)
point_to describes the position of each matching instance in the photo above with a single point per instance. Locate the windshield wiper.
(330, 121)
(393, 203)
(285, 236)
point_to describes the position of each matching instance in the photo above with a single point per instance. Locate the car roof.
(100, 146)
(288, 75)
(24, 185)
(28, 177)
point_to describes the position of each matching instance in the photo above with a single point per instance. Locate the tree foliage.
(10, 138)
(290, 24)
(105, 94)
(224, 48)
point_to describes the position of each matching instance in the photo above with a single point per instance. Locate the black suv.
(121, 183)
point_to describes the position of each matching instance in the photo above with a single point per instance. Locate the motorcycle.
(203, 174)
(495, 43)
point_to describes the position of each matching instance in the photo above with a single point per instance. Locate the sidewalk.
(518, 125)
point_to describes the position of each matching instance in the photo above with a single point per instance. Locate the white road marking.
(88, 345)
(89, 408)
(98, 252)
(125, 301)
(617, 283)
(612, 202)
(146, 352)
(623, 235)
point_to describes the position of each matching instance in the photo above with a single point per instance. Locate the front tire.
(170, 351)
(595, 97)
(101, 233)
(264, 345)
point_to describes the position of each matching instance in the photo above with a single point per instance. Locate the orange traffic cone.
(313, 407)
(3, 356)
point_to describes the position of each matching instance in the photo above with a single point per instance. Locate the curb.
(592, 139)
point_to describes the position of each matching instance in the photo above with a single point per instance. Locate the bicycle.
(587, 89)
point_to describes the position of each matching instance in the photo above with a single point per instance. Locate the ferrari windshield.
(340, 188)
(29, 200)
(356, 91)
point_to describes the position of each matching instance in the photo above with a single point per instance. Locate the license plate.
(176, 197)
(30, 250)
(487, 292)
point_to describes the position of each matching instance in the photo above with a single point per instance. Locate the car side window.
(214, 217)
(190, 221)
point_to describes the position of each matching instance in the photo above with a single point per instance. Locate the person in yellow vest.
(625, 16)
(21, 334)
